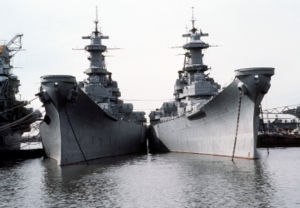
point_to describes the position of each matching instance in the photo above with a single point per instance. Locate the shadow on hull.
(155, 145)
(214, 129)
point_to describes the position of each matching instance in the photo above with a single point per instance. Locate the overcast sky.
(248, 32)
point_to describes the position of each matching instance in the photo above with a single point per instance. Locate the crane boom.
(15, 44)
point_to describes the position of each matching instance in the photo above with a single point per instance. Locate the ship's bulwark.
(79, 130)
(212, 130)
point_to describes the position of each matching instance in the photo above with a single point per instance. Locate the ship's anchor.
(237, 123)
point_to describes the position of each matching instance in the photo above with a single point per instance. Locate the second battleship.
(205, 119)
(87, 120)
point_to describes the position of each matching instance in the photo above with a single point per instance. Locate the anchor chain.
(237, 123)
(76, 139)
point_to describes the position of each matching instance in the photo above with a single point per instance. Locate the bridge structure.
(274, 119)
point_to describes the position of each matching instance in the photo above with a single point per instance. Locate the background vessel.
(15, 119)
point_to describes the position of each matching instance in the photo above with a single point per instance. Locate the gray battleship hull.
(76, 129)
(11, 131)
(212, 130)
(10, 141)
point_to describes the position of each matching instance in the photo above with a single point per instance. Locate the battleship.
(15, 118)
(205, 118)
(87, 120)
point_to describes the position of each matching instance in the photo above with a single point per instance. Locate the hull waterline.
(76, 129)
(212, 130)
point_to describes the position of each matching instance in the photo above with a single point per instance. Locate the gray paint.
(11, 128)
(203, 118)
(100, 86)
(87, 120)
(78, 119)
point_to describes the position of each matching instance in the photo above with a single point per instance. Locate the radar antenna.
(193, 30)
(96, 22)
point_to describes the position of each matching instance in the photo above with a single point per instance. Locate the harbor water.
(162, 180)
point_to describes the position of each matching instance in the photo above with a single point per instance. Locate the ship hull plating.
(76, 131)
(10, 142)
(212, 130)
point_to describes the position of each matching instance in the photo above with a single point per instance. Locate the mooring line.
(20, 105)
(16, 122)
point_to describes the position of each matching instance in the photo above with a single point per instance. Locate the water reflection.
(165, 180)
(20, 183)
(168, 180)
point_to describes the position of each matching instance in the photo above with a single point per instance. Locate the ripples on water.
(165, 180)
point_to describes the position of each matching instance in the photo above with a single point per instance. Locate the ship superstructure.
(15, 119)
(99, 85)
(87, 120)
(194, 87)
(204, 119)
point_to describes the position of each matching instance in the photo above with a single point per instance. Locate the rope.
(147, 100)
(4, 127)
(237, 124)
(76, 139)
(20, 105)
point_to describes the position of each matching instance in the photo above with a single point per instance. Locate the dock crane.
(7, 51)
(13, 46)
